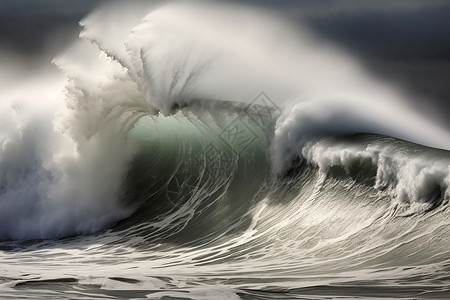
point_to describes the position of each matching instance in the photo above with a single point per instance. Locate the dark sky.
(402, 41)
(407, 42)
(30, 27)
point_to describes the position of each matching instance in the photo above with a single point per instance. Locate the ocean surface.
(161, 162)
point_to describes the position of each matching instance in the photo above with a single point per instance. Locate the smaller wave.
(416, 177)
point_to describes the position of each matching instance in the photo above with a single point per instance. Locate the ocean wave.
(64, 162)
(410, 174)
(210, 150)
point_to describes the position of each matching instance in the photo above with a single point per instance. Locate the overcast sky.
(403, 41)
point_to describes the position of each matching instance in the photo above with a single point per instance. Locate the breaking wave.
(244, 152)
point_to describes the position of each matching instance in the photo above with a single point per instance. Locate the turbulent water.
(163, 162)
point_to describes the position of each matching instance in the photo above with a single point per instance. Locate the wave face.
(162, 171)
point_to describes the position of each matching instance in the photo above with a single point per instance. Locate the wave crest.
(419, 180)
